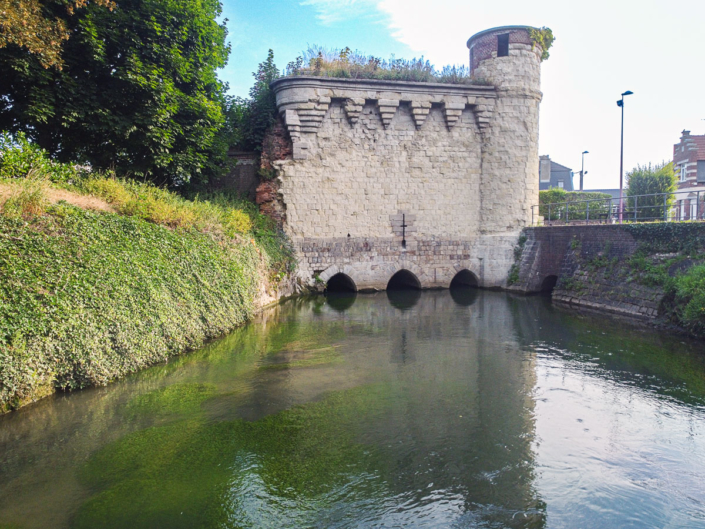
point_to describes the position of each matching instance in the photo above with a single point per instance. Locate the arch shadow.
(548, 284)
(464, 279)
(403, 290)
(341, 292)
(404, 280)
(463, 288)
(341, 283)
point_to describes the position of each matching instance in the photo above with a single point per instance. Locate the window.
(683, 172)
(545, 171)
(701, 170)
(560, 184)
(503, 45)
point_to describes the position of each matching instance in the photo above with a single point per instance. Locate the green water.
(438, 409)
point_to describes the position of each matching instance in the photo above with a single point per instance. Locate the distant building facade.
(689, 166)
(552, 174)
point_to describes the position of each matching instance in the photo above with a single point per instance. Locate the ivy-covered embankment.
(101, 277)
(654, 270)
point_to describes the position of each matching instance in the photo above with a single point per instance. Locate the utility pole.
(582, 170)
(620, 103)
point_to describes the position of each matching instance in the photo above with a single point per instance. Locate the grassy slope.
(86, 297)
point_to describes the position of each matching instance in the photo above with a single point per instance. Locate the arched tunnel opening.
(404, 280)
(341, 283)
(548, 284)
(464, 279)
(463, 288)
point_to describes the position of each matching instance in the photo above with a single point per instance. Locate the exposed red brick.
(270, 201)
(275, 146)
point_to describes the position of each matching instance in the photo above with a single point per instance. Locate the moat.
(462, 408)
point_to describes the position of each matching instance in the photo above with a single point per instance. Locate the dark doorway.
(404, 280)
(463, 288)
(503, 45)
(548, 285)
(464, 279)
(341, 283)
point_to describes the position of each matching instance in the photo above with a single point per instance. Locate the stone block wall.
(585, 261)
(391, 175)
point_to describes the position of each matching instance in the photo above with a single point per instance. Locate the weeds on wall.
(348, 64)
(542, 37)
(513, 276)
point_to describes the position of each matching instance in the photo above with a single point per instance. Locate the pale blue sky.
(654, 48)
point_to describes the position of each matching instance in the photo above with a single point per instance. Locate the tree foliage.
(650, 180)
(138, 91)
(29, 24)
(251, 118)
(573, 205)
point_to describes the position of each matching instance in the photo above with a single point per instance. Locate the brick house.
(552, 174)
(689, 166)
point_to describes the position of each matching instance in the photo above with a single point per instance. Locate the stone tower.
(432, 181)
(507, 58)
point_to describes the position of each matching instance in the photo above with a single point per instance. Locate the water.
(437, 409)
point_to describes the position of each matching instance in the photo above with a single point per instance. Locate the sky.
(654, 48)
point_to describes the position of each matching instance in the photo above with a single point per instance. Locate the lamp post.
(582, 170)
(620, 103)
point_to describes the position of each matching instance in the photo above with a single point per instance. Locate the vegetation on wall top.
(348, 64)
(542, 37)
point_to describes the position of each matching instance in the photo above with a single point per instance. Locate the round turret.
(510, 59)
(506, 57)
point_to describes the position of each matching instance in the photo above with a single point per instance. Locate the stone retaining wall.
(390, 175)
(585, 261)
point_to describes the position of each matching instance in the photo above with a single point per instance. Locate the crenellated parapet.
(304, 101)
(436, 179)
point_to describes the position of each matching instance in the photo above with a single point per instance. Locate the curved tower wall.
(510, 161)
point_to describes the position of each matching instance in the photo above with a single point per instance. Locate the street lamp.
(582, 170)
(620, 103)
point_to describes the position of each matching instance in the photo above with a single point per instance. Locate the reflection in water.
(464, 295)
(403, 299)
(340, 301)
(404, 279)
(511, 414)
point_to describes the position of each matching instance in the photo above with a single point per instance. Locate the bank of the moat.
(651, 272)
(88, 297)
(462, 408)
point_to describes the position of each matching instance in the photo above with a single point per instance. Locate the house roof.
(558, 167)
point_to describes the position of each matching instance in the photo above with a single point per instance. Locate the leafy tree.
(573, 205)
(30, 25)
(138, 91)
(253, 117)
(649, 180)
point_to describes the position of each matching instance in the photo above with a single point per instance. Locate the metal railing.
(678, 206)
